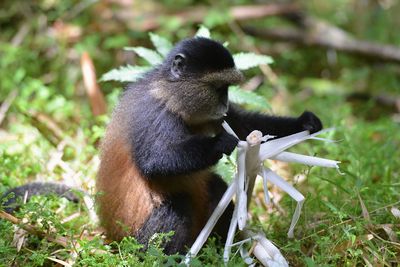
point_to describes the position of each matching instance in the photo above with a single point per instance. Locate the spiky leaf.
(149, 55)
(240, 96)
(124, 74)
(244, 61)
(162, 45)
(203, 31)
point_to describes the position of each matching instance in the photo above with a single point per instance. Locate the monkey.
(164, 137)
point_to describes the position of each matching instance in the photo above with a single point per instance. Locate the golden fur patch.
(124, 199)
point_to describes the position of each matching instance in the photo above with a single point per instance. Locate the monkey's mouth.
(222, 108)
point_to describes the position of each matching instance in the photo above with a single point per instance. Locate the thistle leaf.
(162, 45)
(203, 31)
(244, 61)
(124, 74)
(240, 96)
(149, 55)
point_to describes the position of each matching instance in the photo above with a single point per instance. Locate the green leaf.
(162, 45)
(244, 61)
(226, 167)
(203, 31)
(149, 55)
(239, 96)
(124, 74)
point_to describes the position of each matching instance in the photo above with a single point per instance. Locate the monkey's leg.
(216, 188)
(175, 214)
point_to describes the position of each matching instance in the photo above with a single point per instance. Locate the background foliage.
(49, 132)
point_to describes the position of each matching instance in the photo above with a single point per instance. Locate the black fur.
(243, 123)
(36, 188)
(175, 214)
(163, 145)
(201, 55)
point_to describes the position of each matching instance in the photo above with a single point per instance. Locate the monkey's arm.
(244, 122)
(185, 156)
(170, 150)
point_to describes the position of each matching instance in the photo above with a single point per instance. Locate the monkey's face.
(202, 101)
(209, 94)
(199, 98)
(199, 73)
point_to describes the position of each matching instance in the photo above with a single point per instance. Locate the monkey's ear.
(178, 65)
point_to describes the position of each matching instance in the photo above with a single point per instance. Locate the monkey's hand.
(225, 143)
(309, 121)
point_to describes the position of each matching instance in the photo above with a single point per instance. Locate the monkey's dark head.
(195, 79)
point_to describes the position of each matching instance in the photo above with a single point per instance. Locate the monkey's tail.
(37, 188)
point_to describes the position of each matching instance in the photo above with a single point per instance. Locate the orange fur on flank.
(126, 199)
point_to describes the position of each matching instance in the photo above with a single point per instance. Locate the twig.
(21, 34)
(317, 33)
(397, 245)
(197, 14)
(5, 106)
(59, 240)
(261, 11)
(62, 241)
(46, 126)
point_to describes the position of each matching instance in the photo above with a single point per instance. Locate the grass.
(347, 219)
